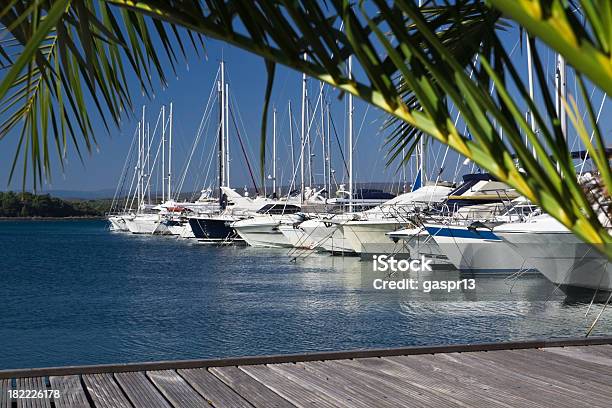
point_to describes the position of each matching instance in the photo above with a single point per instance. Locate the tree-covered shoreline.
(28, 205)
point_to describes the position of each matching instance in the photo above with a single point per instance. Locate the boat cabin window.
(279, 209)
(469, 181)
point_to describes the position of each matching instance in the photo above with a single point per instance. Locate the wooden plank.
(71, 392)
(213, 389)
(470, 381)
(587, 354)
(36, 384)
(416, 393)
(176, 390)
(453, 386)
(105, 392)
(517, 380)
(250, 389)
(297, 394)
(499, 379)
(603, 349)
(565, 376)
(594, 372)
(5, 386)
(341, 394)
(563, 381)
(140, 391)
(378, 394)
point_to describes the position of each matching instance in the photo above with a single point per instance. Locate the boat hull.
(418, 243)
(326, 236)
(563, 259)
(262, 234)
(147, 224)
(213, 228)
(117, 223)
(370, 238)
(296, 236)
(174, 226)
(478, 251)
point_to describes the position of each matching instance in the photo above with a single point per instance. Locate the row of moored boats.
(479, 227)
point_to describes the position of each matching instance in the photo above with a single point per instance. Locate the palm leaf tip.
(70, 57)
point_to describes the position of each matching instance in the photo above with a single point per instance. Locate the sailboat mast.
(171, 118)
(221, 156)
(423, 147)
(350, 137)
(291, 138)
(227, 153)
(222, 134)
(423, 161)
(163, 172)
(138, 165)
(328, 158)
(274, 151)
(531, 86)
(323, 141)
(309, 144)
(141, 161)
(303, 134)
(561, 92)
(148, 163)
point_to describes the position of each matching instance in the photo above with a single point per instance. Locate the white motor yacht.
(366, 233)
(262, 229)
(475, 249)
(416, 243)
(296, 235)
(326, 234)
(469, 243)
(558, 254)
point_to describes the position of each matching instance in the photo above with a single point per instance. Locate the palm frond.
(585, 40)
(417, 64)
(62, 56)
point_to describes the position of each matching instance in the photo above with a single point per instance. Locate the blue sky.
(246, 73)
(189, 92)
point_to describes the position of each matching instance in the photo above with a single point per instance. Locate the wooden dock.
(563, 373)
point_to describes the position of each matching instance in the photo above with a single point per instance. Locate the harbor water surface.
(74, 293)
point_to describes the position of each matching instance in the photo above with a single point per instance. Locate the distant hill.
(43, 205)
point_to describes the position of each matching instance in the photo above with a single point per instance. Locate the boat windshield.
(279, 209)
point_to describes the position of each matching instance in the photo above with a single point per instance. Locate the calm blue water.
(74, 293)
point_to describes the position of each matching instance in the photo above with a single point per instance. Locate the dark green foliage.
(43, 205)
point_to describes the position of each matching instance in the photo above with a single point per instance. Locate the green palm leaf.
(419, 65)
(71, 54)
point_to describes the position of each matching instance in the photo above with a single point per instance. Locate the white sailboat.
(322, 231)
(150, 219)
(117, 223)
(116, 214)
(146, 223)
